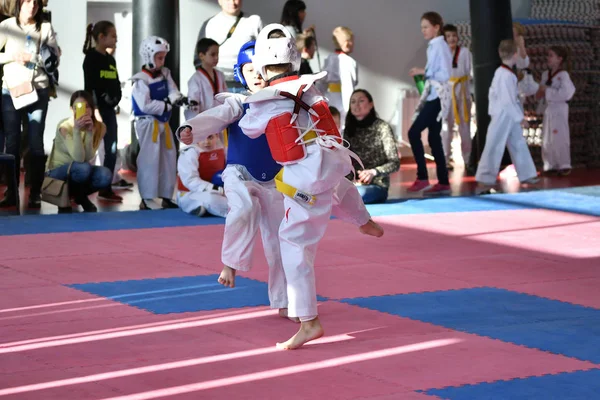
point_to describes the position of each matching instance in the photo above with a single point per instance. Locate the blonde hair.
(338, 33)
(507, 49)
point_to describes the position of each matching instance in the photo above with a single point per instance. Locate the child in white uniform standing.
(460, 81)
(154, 94)
(342, 71)
(555, 91)
(505, 128)
(207, 81)
(199, 185)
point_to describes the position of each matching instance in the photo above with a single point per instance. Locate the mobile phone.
(80, 109)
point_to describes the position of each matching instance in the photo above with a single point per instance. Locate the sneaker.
(168, 203)
(564, 172)
(438, 189)
(122, 184)
(109, 195)
(419, 185)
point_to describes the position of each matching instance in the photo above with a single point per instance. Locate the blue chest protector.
(254, 154)
(158, 91)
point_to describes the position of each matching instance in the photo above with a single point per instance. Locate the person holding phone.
(77, 140)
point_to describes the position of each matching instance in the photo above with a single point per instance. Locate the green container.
(420, 82)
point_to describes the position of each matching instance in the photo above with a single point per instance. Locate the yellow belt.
(225, 138)
(335, 87)
(289, 190)
(168, 135)
(463, 95)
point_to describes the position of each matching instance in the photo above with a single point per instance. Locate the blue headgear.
(244, 57)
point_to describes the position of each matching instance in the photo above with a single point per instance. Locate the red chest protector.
(210, 162)
(282, 135)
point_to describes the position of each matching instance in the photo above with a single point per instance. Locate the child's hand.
(416, 71)
(366, 176)
(186, 137)
(541, 92)
(84, 123)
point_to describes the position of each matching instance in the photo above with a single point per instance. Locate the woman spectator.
(77, 140)
(22, 37)
(292, 17)
(372, 139)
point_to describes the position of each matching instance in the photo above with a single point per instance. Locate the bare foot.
(371, 228)
(227, 277)
(283, 313)
(309, 330)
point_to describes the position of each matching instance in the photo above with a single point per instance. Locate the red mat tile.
(502, 270)
(47, 245)
(104, 267)
(16, 279)
(378, 279)
(577, 291)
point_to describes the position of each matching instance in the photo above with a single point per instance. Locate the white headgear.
(275, 51)
(150, 46)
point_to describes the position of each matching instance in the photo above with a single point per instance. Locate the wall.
(68, 31)
(388, 38)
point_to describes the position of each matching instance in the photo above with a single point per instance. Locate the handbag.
(23, 94)
(56, 191)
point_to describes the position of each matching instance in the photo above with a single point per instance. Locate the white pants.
(156, 164)
(348, 205)
(213, 202)
(464, 130)
(304, 225)
(253, 205)
(502, 133)
(335, 100)
(556, 141)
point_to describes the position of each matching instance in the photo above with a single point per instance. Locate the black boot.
(80, 193)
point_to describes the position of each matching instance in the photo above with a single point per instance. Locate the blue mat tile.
(570, 200)
(182, 294)
(581, 385)
(532, 321)
(87, 222)
(558, 200)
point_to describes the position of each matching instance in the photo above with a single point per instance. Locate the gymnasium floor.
(491, 297)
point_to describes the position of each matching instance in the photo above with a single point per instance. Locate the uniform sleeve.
(391, 151)
(174, 93)
(222, 83)
(255, 121)
(564, 91)
(215, 119)
(348, 78)
(522, 63)
(508, 99)
(194, 94)
(468, 63)
(259, 26)
(187, 168)
(141, 95)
